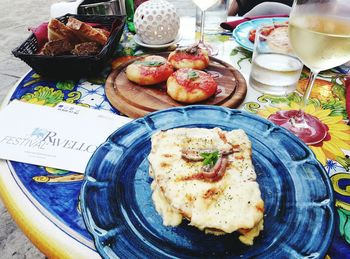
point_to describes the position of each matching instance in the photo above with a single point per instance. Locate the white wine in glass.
(321, 42)
(204, 5)
(319, 32)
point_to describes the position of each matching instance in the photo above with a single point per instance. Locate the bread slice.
(86, 32)
(86, 49)
(59, 31)
(103, 31)
(57, 47)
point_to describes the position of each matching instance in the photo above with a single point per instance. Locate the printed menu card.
(63, 137)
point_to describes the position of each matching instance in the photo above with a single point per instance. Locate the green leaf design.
(344, 161)
(97, 80)
(234, 52)
(222, 38)
(44, 95)
(65, 85)
(344, 224)
(278, 99)
(36, 78)
(192, 74)
(73, 96)
(127, 51)
(315, 102)
(338, 91)
(304, 75)
(247, 55)
(293, 97)
(55, 171)
(337, 107)
(242, 51)
(252, 107)
(210, 158)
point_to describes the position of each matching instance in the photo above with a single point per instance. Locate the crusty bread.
(103, 31)
(58, 31)
(57, 47)
(86, 32)
(86, 49)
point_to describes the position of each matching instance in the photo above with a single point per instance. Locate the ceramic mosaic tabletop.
(45, 201)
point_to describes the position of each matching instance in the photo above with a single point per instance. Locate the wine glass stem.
(310, 83)
(202, 27)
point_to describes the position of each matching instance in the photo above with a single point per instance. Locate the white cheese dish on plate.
(207, 177)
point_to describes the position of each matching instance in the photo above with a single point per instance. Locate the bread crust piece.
(194, 58)
(150, 70)
(59, 31)
(181, 87)
(86, 32)
(57, 47)
(86, 49)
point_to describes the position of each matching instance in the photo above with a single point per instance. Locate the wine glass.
(204, 5)
(319, 32)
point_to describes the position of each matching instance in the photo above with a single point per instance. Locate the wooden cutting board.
(136, 101)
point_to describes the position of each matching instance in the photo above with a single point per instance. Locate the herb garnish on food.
(192, 74)
(210, 159)
(151, 63)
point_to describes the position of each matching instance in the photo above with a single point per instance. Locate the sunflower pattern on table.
(338, 133)
(327, 104)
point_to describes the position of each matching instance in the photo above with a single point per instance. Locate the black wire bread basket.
(72, 66)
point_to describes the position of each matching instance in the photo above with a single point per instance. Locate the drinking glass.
(214, 16)
(319, 32)
(203, 5)
(275, 68)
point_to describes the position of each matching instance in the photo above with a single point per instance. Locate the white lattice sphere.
(156, 22)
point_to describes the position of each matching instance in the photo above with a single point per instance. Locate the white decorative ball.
(156, 22)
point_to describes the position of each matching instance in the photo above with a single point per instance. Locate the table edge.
(29, 219)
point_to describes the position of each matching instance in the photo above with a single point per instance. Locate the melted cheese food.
(218, 200)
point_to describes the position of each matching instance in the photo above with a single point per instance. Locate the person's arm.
(241, 7)
(233, 9)
(246, 5)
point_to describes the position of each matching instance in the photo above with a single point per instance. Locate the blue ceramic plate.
(241, 32)
(119, 213)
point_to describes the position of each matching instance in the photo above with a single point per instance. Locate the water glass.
(213, 17)
(275, 68)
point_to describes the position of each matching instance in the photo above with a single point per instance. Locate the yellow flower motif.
(338, 131)
(34, 101)
(44, 95)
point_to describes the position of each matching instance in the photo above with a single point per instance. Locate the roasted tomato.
(252, 35)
